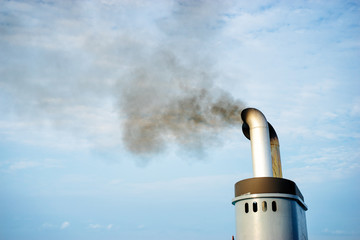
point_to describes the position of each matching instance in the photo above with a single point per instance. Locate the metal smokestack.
(260, 141)
(255, 120)
(267, 206)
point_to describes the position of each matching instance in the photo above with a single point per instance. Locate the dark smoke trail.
(169, 94)
(174, 104)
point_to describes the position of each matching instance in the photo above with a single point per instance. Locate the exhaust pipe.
(267, 206)
(258, 127)
(263, 139)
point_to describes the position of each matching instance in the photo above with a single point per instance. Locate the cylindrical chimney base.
(269, 208)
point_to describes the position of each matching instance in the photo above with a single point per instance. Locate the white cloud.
(338, 232)
(68, 128)
(99, 226)
(95, 226)
(23, 165)
(325, 164)
(27, 164)
(47, 225)
(64, 225)
(355, 111)
(176, 187)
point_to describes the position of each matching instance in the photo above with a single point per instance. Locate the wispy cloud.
(99, 226)
(23, 165)
(29, 164)
(338, 232)
(325, 164)
(176, 187)
(95, 226)
(79, 69)
(64, 225)
(47, 225)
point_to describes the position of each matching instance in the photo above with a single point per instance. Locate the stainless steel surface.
(271, 195)
(263, 223)
(260, 142)
(267, 208)
(275, 152)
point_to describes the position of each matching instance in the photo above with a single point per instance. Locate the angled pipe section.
(260, 141)
(274, 148)
(275, 152)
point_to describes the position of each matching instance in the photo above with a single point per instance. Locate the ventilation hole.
(246, 207)
(264, 206)
(255, 206)
(273, 206)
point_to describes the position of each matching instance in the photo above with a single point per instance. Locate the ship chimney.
(267, 206)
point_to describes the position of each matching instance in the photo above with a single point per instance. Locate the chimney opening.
(255, 207)
(273, 206)
(264, 206)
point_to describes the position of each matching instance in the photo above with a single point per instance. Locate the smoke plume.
(169, 95)
(158, 68)
(169, 103)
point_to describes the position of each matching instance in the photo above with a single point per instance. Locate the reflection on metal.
(275, 152)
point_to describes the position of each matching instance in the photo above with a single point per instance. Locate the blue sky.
(68, 67)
